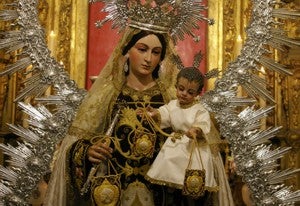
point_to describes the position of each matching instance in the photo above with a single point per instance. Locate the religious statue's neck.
(140, 84)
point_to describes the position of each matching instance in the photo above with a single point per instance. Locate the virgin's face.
(145, 55)
(186, 91)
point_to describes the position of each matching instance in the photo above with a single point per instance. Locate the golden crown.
(175, 17)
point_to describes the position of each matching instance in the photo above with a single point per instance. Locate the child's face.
(186, 91)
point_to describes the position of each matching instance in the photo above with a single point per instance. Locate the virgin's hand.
(99, 152)
(152, 112)
(139, 111)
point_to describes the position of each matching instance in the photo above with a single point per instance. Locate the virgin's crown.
(175, 17)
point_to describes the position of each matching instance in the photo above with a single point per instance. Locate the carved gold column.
(215, 37)
(231, 17)
(67, 36)
(79, 42)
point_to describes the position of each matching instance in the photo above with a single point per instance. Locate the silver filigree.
(176, 18)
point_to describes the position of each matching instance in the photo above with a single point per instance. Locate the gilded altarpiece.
(65, 24)
(225, 42)
(287, 93)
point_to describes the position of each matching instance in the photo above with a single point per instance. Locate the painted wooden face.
(186, 91)
(145, 55)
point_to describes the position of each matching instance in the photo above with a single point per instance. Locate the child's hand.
(194, 133)
(191, 133)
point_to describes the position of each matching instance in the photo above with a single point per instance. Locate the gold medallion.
(144, 146)
(106, 194)
(194, 183)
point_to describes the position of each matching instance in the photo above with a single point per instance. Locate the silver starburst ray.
(255, 159)
(30, 160)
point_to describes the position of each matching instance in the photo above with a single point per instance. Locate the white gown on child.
(172, 161)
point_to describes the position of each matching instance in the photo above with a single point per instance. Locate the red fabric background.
(101, 43)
